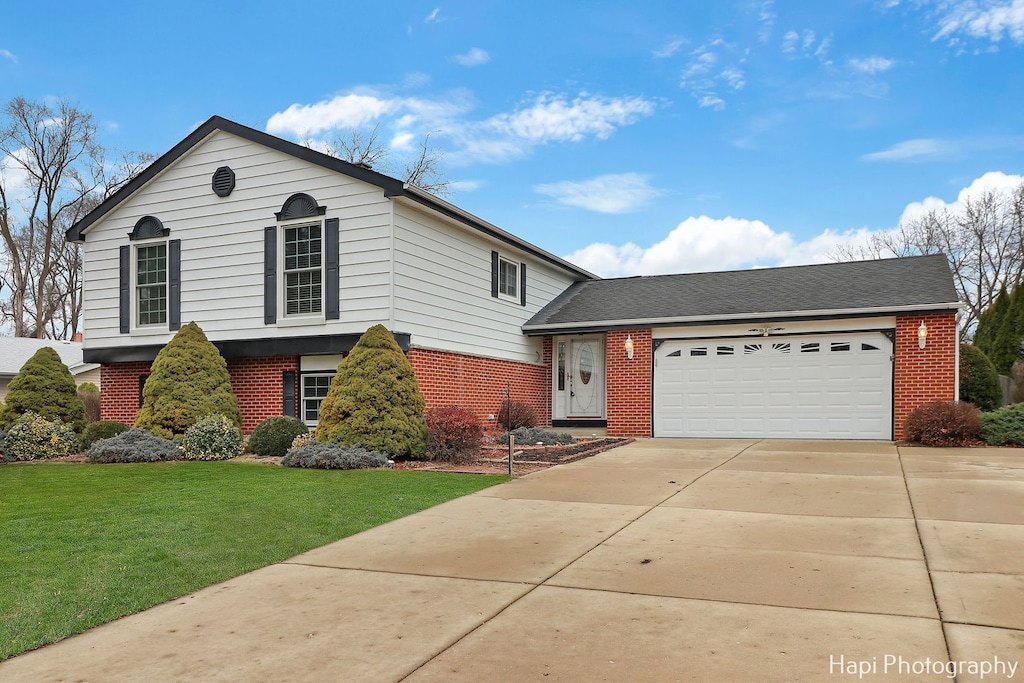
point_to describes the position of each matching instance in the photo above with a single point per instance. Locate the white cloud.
(612, 193)
(711, 101)
(475, 57)
(543, 119)
(992, 19)
(705, 244)
(465, 185)
(9, 55)
(766, 17)
(789, 41)
(794, 42)
(920, 149)
(344, 111)
(668, 50)
(871, 65)
(432, 17)
(993, 181)
(554, 117)
(734, 77)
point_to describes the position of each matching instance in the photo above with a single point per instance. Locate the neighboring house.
(284, 256)
(15, 351)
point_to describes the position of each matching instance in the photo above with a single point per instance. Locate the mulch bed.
(493, 458)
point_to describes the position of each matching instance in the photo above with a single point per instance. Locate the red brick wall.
(119, 395)
(478, 384)
(629, 384)
(927, 374)
(256, 382)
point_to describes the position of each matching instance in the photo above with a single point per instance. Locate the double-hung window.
(508, 278)
(314, 390)
(151, 284)
(303, 270)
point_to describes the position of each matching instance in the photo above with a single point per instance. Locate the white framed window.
(508, 279)
(302, 265)
(314, 390)
(150, 266)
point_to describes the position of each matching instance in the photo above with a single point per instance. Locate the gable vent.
(300, 205)
(223, 181)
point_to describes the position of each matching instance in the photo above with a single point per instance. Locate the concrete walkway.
(664, 560)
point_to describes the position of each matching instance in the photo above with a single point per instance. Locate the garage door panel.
(818, 386)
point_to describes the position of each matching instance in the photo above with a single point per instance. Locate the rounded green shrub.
(274, 435)
(44, 386)
(943, 423)
(33, 437)
(1004, 427)
(103, 429)
(329, 456)
(979, 381)
(188, 379)
(455, 434)
(134, 445)
(375, 400)
(213, 437)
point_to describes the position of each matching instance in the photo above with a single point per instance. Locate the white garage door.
(833, 386)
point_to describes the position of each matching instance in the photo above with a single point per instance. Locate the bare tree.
(425, 170)
(53, 172)
(983, 241)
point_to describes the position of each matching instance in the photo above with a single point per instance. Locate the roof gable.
(859, 287)
(392, 187)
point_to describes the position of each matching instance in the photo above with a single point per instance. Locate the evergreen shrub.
(44, 386)
(133, 445)
(979, 381)
(90, 395)
(329, 456)
(1004, 427)
(274, 436)
(33, 437)
(213, 437)
(188, 380)
(518, 416)
(455, 434)
(375, 400)
(3, 449)
(943, 423)
(102, 429)
(530, 436)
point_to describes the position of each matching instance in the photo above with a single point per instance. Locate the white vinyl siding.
(443, 289)
(222, 243)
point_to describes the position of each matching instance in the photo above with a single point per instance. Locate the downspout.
(391, 265)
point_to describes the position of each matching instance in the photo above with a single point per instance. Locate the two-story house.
(284, 256)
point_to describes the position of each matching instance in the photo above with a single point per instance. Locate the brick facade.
(629, 383)
(256, 382)
(927, 374)
(479, 384)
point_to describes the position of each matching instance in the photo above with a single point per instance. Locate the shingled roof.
(858, 288)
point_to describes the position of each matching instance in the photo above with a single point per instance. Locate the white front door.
(585, 390)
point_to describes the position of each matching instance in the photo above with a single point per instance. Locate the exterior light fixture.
(629, 347)
(922, 335)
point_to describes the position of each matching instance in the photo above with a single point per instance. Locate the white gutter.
(767, 315)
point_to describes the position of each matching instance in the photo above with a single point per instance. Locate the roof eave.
(595, 325)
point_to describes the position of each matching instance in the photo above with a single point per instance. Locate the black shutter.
(288, 394)
(522, 284)
(270, 275)
(332, 305)
(494, 274)
(174, 284)
(142, 387)
(124, 290)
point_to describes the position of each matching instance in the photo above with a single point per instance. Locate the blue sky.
(636, 137)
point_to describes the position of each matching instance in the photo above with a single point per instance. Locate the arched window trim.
(299, 205)
(148, 227)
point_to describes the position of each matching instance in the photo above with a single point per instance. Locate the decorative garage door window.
(809, 386)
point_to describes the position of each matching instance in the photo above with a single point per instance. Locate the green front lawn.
(84, 544)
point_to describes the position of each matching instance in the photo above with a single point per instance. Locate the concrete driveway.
(663, 560)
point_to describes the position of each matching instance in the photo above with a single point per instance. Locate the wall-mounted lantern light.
(629, 347)
(922, 335)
